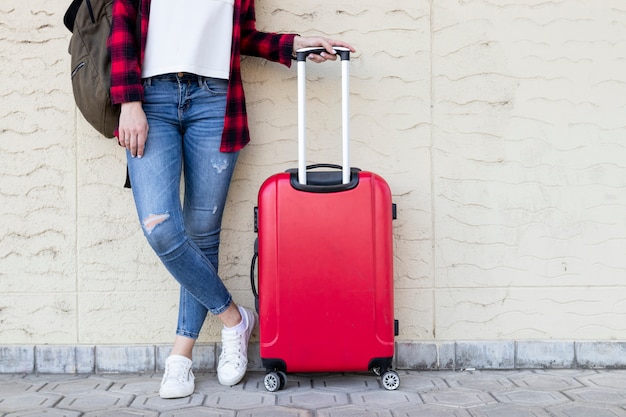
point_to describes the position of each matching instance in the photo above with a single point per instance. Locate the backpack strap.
(70, 15)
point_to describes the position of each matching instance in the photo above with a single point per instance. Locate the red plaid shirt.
(126, 61)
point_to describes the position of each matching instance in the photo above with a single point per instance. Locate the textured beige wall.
(499, 125)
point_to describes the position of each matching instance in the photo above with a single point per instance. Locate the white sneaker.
(233, 360)
(178, 380)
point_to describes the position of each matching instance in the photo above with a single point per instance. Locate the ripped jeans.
(185, 118)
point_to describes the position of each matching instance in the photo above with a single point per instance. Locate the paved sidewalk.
(549, 393)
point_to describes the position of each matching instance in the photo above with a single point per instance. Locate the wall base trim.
(455, 355)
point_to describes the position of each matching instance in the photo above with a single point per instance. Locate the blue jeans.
(185, 118)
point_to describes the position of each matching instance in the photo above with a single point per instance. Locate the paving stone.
(208, 383)
(43, 379)
(353, 411)
(607, 379)
(156, 403)
(312, 399)
(199, 412)
(346, 382)
(429, 410)
(18, 385)
(47, 412)
(530, 398)
(541, 380)
(27, 401)
(598, 396)
(493, 381)
(234, 400)
(76, 385)
(138, 385)
(421, 381)
(121, 413)
(94, 401)
(582, 410)
(458, 397)
(510, 410)
(385, 399)
(275, 411)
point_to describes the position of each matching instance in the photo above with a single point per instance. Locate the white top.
(192, 36)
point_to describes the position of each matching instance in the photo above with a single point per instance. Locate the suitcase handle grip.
(303, 53)
(316, 166)
(324, 181)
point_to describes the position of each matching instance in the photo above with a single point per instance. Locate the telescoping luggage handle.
(344, 55)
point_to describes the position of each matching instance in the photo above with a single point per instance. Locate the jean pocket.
(215, 85)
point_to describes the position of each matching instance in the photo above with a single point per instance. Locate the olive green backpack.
(90, 24)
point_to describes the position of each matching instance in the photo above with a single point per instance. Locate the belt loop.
(200, 80)
(147, 82)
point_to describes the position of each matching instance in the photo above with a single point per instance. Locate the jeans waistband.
(178, 76)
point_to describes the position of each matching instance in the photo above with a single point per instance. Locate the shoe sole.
(173, 396)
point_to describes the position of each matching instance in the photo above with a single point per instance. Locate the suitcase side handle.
(255, 257)
(344, 54)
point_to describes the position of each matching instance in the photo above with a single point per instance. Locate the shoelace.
(231, 348)
(180, 372)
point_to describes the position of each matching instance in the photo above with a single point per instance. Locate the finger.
(343, 44)
(141, 146)
(330, 57)
(133, 146)
(326, 43)
(121, 138)
(318, 59)
(129, 146)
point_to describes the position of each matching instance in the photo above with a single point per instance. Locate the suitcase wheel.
(274, 381)
(390, 380)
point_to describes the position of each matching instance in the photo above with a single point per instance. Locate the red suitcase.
(325, 265)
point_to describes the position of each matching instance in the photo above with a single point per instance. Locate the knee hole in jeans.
(153, 220)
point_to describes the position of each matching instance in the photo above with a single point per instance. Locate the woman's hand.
(318, 41)
(133, 128)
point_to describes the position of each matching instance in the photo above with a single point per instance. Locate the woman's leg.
(208, 173)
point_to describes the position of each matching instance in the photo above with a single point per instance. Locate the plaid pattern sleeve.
(248, 40)
(125, 53)
(271, 46)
